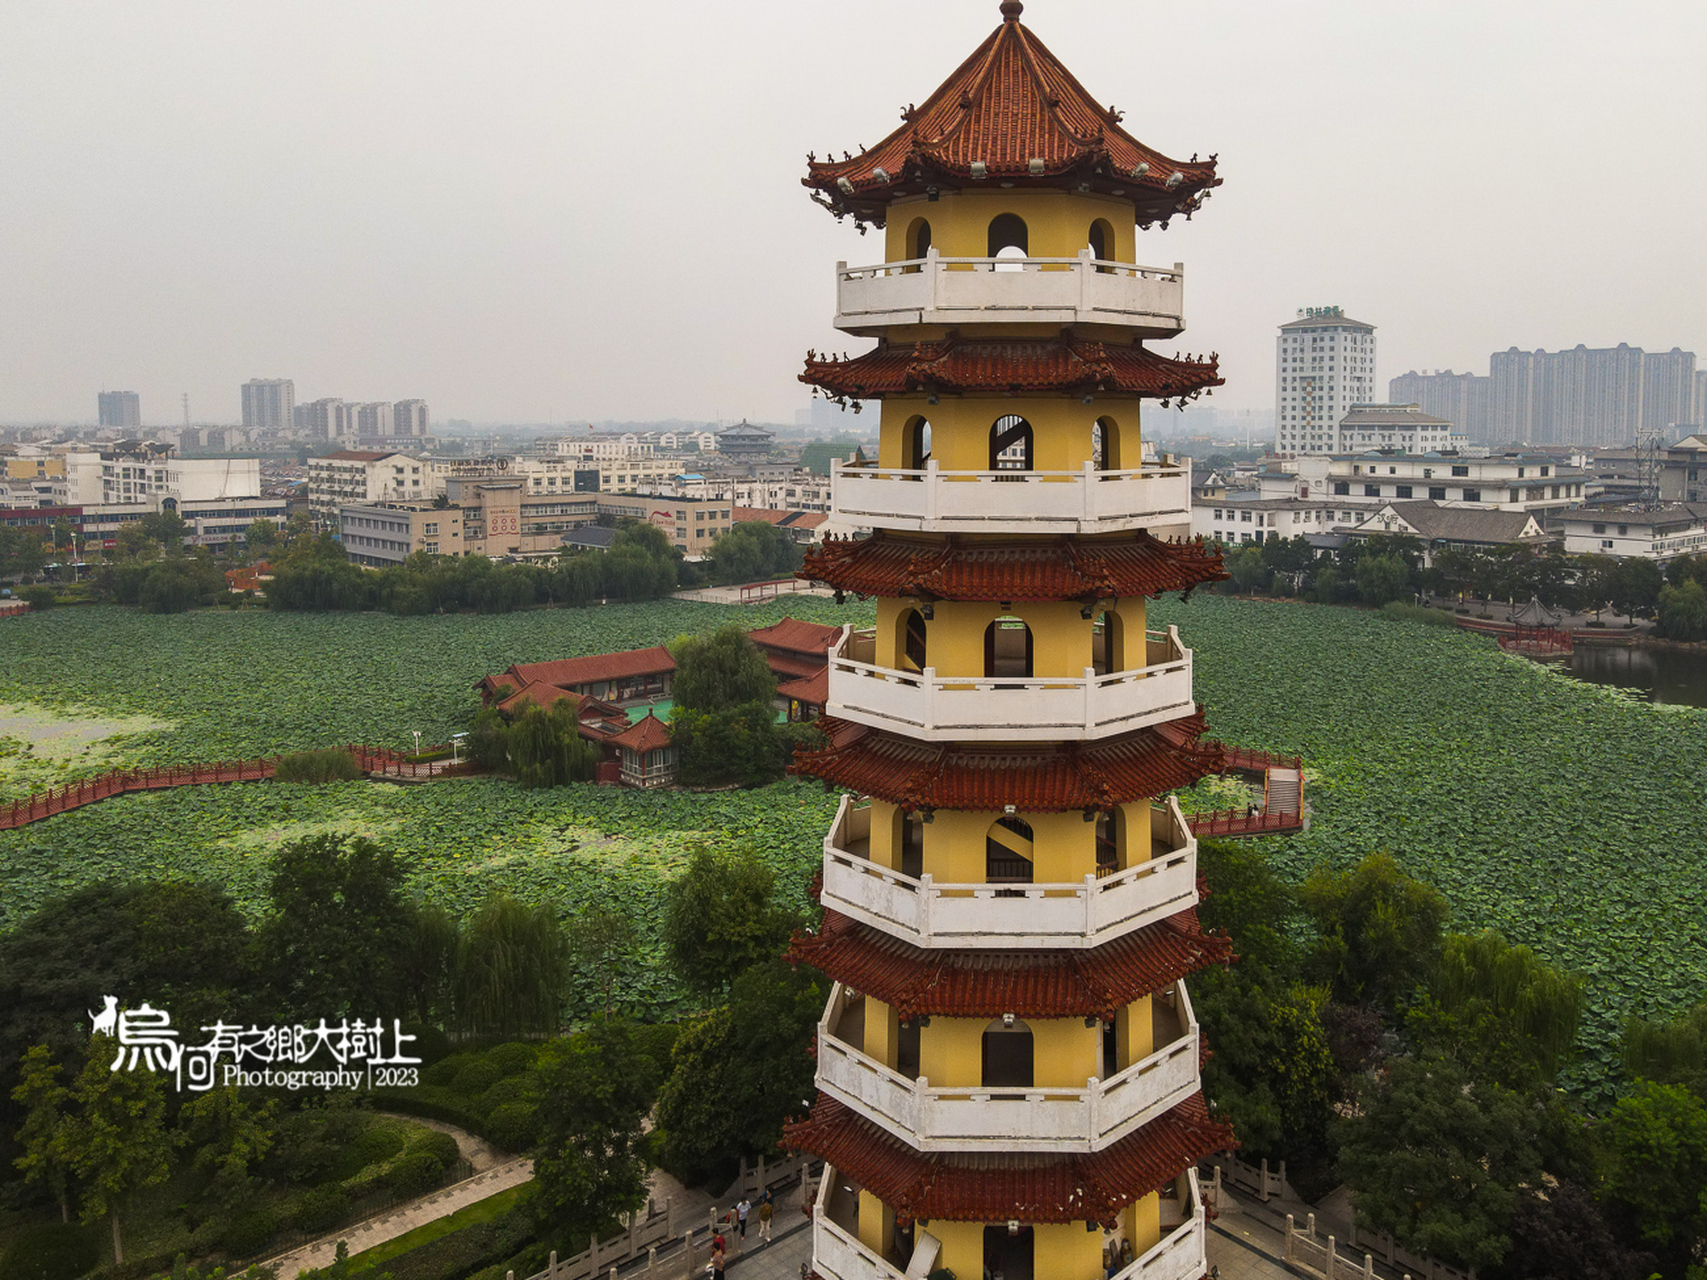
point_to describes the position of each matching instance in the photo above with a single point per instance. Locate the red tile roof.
(1014, 365)
(594, 667)
(1028, 984)
(1039, 778)
(360, 455)
(814, 688)
(1090, 1187)
(540, 694)
(646, 734)
(797, 637)
(1009, 106)
(887, 564)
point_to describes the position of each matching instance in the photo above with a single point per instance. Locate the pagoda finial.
(1011, 9)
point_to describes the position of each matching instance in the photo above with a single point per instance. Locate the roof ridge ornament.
(1011, 9)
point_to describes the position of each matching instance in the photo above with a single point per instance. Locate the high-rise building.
(1008, 1064)
(120, 409)
(373, 420)
(409, 418)
(1324, 364)
(1592, 396)
(1668, 392)
(269, 404)
(1461, 398)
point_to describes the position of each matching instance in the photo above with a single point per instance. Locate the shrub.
(40, 597)
(476, 1077)
(513, 1126)
(443, 1072)
(416, 1173)
(431, 1046)
(318, 766)
(376, 1144)
(508, 1090)
(441, 1145)
(51, 1251)
(249, 1233)
(319, 1209)
(513, 1058)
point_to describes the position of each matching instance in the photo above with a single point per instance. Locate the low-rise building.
(1404, 427)
(1442, 528)
(1510, 482)
(501, 517)
(1683, 471)
(691, 524)
(1653, 533)
(386, 533)
(1234, 518)
(353, 477)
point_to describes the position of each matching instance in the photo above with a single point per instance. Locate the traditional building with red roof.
(1008, 1064)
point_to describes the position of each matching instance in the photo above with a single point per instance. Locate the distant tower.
(120, 409)
(1324, 364)
(1008, 1064)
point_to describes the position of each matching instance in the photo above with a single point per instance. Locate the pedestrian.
(741, 1212)
(717, 1258)
(765, 1211)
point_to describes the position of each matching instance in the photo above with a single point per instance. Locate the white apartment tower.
(1324, 364)
(269, 404)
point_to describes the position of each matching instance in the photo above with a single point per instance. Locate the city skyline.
(510, 287)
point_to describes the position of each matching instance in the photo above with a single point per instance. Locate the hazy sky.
(548, 212)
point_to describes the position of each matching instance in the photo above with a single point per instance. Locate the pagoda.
(1009, 1066)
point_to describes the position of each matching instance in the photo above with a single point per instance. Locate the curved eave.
(980, 778)
(1016, 110)
(1031, 570)
(1089, 1187)
(963, 366)
(970, 983)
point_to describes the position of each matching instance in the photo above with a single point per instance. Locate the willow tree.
(546, 748)
(1502, 1008)
(512, 970)
(1673, 1052)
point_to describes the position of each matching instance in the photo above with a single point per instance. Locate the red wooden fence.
(1250, 760)
(1242, 822)
(376, 761)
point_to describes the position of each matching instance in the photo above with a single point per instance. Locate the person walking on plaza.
(717, 1258)
(765, 1211)
(741, 1212)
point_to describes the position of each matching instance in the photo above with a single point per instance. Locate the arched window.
(1105, 444)
(1010, 444)
(1007, 852)
(1111, 842)
(1108, 643)
(912, 844)
(1101, 240)
(915, 444)
(1007, 231)
(1007, 649)
(910, 640)
(1007, 1057)
(918, 238)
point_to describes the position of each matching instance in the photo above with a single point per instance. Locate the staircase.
(1283, 792)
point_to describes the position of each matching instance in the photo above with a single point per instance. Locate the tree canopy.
(720, 919)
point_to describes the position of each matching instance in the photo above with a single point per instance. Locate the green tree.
(590, 1164)
(166, 529)
(753, 550)
(1635, 586)
(1653, 1158)
(115, 1135)
(180, 583)
(1381, 578)
(62, 537)
(315, 575)
(22, 554)
(230, 1134)
(603, 946)
(1380, 930)
(339, 923)
(1683, 612)
(720, 919)
(546, 749)
(1439, 1159)
(260, 537)
(427, 963)
(1247, 568)
(741, 744)
(512, 969)
(1669, 1052)
(1500, 1011)
(720, 670)
(45, 1162)
(740, 1072)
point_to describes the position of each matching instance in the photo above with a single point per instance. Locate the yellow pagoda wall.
(1060, 637)
(960, 427)
(1063, 844)
(1057, 223)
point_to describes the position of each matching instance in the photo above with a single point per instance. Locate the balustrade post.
(1287, 1251)
(1087, 508)
(1309, 1219)
(669, 1217)
(927, 904)
(1331, 1259)
(1090, 904)
(1265, 1193)
(551, 1267)
(932, 486)
(933, 269)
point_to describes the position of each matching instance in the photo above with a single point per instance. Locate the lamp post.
(455, 741)
(417, 734)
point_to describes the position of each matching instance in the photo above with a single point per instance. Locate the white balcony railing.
(955, 291)
(930, 500)
(1085, 914)
(984, 1118)
(937, 708)
(1181, 1253)
(838, 1254)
